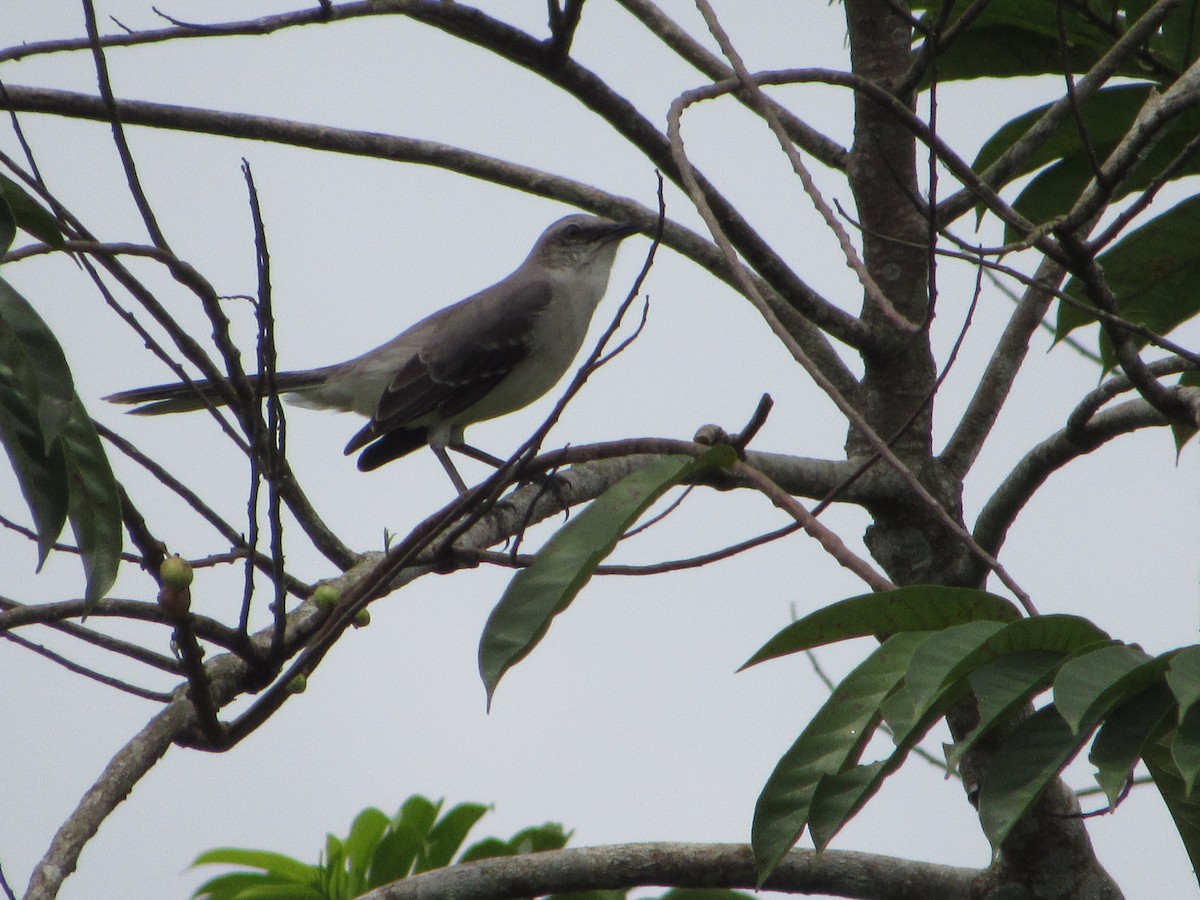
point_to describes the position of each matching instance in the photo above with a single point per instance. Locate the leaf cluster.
(380, 850)
(51, 443)
(939, 644)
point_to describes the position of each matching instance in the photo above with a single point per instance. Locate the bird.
(488, 355)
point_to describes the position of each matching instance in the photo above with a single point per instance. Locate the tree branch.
(977, 421)
(622, 866)
(811, 141)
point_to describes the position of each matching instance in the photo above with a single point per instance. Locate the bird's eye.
(573, 231)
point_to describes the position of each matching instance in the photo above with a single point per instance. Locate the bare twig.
(828, 539)
(15, 615)
(126, 155)
(813, 142)
(758, 101)
(75, 667)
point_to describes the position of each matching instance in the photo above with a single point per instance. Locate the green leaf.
(488, 848)
(401, 848)
(1106, 117)
(1057, 631)
(449, 833)
(1067, 163)
(535, 839)
(1176, 39)
(29, 215)
(333, 869)
(1089, 685)
(1152, 271)
(1026, 655)
(228, 887)
(1183, 676)
(418, 813)
(1185, 748)
(41, 475)
(838, 797)
(830, 743)
(44, 358)
(249, 885)
(933, 681)
(1125, 733)
(273, 863)
(53, 446)
(1022, 768)
(934, 676)
(596, 895)
(566, 563)
(1184, 808)
(394, 856)
(8, 226)
(915, 608)
(1001, 687)
(539, 838)
(1018, 37)
(704, 894)
(94, 505)
(368, 830)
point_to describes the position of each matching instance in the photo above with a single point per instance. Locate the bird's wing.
(471, 347)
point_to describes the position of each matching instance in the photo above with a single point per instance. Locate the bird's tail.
(161, 399)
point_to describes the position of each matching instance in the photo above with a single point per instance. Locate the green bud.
(326, 596)
(362, 618)
(175, 573)
(297, 685)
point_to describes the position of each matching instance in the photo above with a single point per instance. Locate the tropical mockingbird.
(490, 354)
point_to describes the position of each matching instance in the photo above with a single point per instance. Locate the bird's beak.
(622, 230)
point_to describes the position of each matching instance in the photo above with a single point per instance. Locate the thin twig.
(71, 666)
(118, 131)
(758, 100)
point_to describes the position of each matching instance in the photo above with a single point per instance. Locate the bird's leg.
(444, 459)
(475, 453)
(546, 481)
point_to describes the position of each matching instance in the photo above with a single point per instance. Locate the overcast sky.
(628, 722)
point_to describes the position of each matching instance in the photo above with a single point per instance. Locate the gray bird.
(491, 354)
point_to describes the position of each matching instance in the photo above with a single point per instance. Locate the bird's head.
(579, 241)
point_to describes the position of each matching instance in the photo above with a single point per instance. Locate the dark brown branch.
(72, 666)
(620, 867)
(1172, 402)
(15, 615)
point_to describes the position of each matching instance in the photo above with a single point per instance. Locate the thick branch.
(838, 873)
(973, 428)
